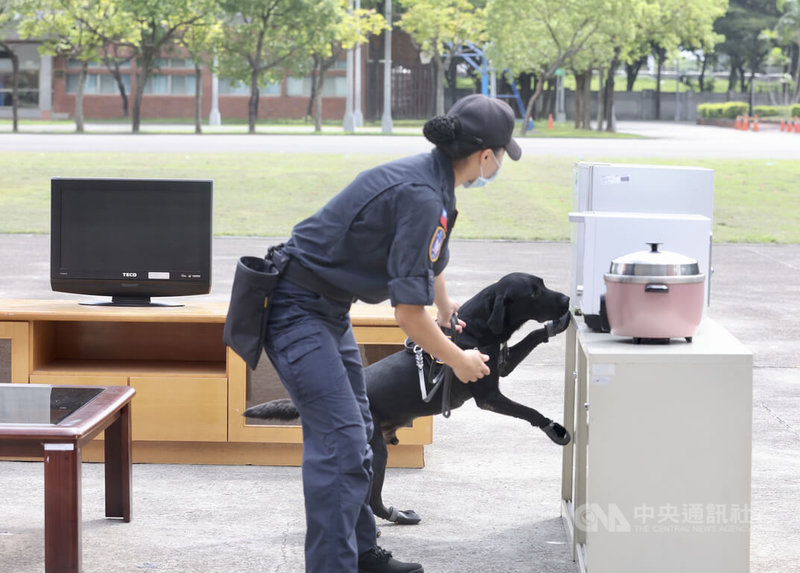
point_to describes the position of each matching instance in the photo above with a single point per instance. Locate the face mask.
(482, 181)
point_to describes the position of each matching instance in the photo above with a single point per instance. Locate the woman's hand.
(445, 306)
(468, 365)
(445, 313)
(473, 366)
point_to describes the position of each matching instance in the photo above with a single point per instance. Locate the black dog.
(393, 386)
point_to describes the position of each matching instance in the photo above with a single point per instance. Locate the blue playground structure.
(476, 59)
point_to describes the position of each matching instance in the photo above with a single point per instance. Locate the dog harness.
(441, 375)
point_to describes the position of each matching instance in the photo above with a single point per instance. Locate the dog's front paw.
(557, 326)
(408, 517)
(557, 433)
(404, 516)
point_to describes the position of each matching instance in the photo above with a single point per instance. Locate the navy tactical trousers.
(311, 345)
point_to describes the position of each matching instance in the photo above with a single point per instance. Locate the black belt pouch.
(246, 323)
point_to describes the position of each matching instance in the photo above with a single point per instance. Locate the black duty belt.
(296, 273)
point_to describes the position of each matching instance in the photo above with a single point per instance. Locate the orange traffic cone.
(755, 123)
(783, 125)
(550, 121)
(796, 124)
(738, 124)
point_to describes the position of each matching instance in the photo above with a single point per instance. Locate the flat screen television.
(131, 239)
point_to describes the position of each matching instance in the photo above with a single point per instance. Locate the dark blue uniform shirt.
(386, 234)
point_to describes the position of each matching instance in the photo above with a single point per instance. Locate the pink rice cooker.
(654, 295)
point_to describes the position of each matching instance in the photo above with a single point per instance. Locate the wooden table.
(54, 423)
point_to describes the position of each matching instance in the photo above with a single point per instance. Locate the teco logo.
(130, 275)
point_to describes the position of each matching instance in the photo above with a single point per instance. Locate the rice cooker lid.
(655, 263)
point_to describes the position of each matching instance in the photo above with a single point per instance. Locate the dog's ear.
(497, 316)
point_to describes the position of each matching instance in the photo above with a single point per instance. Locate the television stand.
(191, 389)
(130, 301)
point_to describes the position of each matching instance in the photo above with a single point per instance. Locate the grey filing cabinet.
(657, 477)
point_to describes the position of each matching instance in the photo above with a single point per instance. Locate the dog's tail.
(275, 410)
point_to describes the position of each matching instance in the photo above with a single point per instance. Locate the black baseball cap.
(489, 121)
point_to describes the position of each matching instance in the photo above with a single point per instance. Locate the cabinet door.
(184, 409)
(669, 444)
(14, 352)
(248, 388)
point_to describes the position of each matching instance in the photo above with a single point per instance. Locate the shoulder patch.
(437, 241)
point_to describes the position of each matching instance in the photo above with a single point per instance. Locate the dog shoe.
(378, 560)
(404, 516)
(557, 433)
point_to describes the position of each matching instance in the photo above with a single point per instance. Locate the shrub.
(727, 110)
(767, 111)
(705, 110)
(795, 111)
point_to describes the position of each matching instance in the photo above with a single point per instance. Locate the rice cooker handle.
(657, 288)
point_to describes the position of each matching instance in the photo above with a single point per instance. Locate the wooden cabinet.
(659, 468)
(191, 390)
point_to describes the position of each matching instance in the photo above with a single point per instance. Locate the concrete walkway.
(663, 140)
(489, 493)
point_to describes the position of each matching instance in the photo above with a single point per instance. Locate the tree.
(439, 27)
(686, 25)
(201, 40)
(665, 26)
(262, 41)
(338, 30)
(146, 28)
(788, 29)
(618, 31)
(53, 22)
(597, 53)
(157, 25)
(8, 15)
(114, 58)
(745, 45)
(539, 39)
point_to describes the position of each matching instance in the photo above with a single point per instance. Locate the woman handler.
(385, 236)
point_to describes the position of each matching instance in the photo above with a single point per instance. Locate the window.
(233, 87)
(334, 86)
(108, 85)
(181, 63)
(157, 84)
(27, 88)
(174, 63)
(89, 86)
(98, 84)
(167, 84)
(76, 63)
(183, 85)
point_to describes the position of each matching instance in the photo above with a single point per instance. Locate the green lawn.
(265, 194)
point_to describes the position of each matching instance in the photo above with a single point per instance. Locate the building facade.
(48, 87)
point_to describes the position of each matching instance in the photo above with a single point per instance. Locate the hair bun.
(441, 129)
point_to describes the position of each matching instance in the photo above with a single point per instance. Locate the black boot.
(378, 560)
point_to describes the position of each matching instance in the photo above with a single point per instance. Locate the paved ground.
(490, 489)
(489, 493)
(665, 139)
